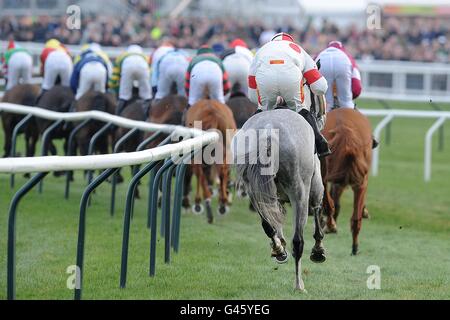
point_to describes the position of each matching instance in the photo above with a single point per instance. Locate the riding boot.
(375, 143)
(120, 106)
(322, 147)
(147, 106)
(43, 91)
(258, 111)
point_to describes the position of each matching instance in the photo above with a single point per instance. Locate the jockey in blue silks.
(92, 70)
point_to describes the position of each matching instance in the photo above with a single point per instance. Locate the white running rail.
(390, 114)
(197, 139)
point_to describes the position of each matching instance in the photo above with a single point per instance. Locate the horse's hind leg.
(187, 188)
(301, 215)
(278, 243)
(358, 207)
(336, 193)
(318, 251)
(7, 128)
(223, 188)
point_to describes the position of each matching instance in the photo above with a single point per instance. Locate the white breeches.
(206, 75)
(238, 68)
(172, 69)
(20, 69)
(135, 68)
(280, 80)
(93, 75)
(58, 63)
(337, 70)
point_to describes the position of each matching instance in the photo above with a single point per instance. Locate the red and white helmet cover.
(282, 36)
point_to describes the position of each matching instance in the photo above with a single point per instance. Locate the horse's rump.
(349, 135)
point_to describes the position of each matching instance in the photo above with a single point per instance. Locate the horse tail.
(259, 183)
(348, 151)
(206, 94)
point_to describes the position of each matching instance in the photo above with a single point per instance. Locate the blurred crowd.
(400, 38)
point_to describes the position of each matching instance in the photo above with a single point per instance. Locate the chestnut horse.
(349, 134)
(213, 115)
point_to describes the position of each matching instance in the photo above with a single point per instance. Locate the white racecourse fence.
(199, 139)
(94, 162)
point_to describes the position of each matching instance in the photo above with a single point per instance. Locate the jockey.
(171, 69)
(17, 64)
(342, 74)
(92, 70)
(278, 70)
(237, 61)
(343, 77)
(161, 51)
(206, 72)
(130, 66)
(55, 62)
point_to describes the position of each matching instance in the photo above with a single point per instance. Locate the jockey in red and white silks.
(237, 61)
(278, 70)
(342, 74)
(55, 61)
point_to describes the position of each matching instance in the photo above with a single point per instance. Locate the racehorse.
(24, 94)
(242, 108)
(58, 99)
(295, 177)
(213, 115)
(93, 100)
(349, 134)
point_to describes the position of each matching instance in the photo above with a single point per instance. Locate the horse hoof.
(300, 287)
(355, 250)
(281, 258)
(186, 204)
(241, 193)
(366, 214)
(223, 210)
(318, 255)
(197, 209)
(329, 230)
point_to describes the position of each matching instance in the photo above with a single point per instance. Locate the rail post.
(388, 127)
(22, 123)
(11, 264)
(45, 142)
(82, 224)
(154, 208)
(93, 142)
(70, 152)
(117, 147)
(127, 219)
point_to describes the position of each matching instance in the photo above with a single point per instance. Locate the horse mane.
(348, 163)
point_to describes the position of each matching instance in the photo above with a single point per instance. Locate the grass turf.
(408, 237)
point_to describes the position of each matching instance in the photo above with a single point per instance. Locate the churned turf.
(408, 238)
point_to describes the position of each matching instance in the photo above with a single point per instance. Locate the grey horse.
(296, 179)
